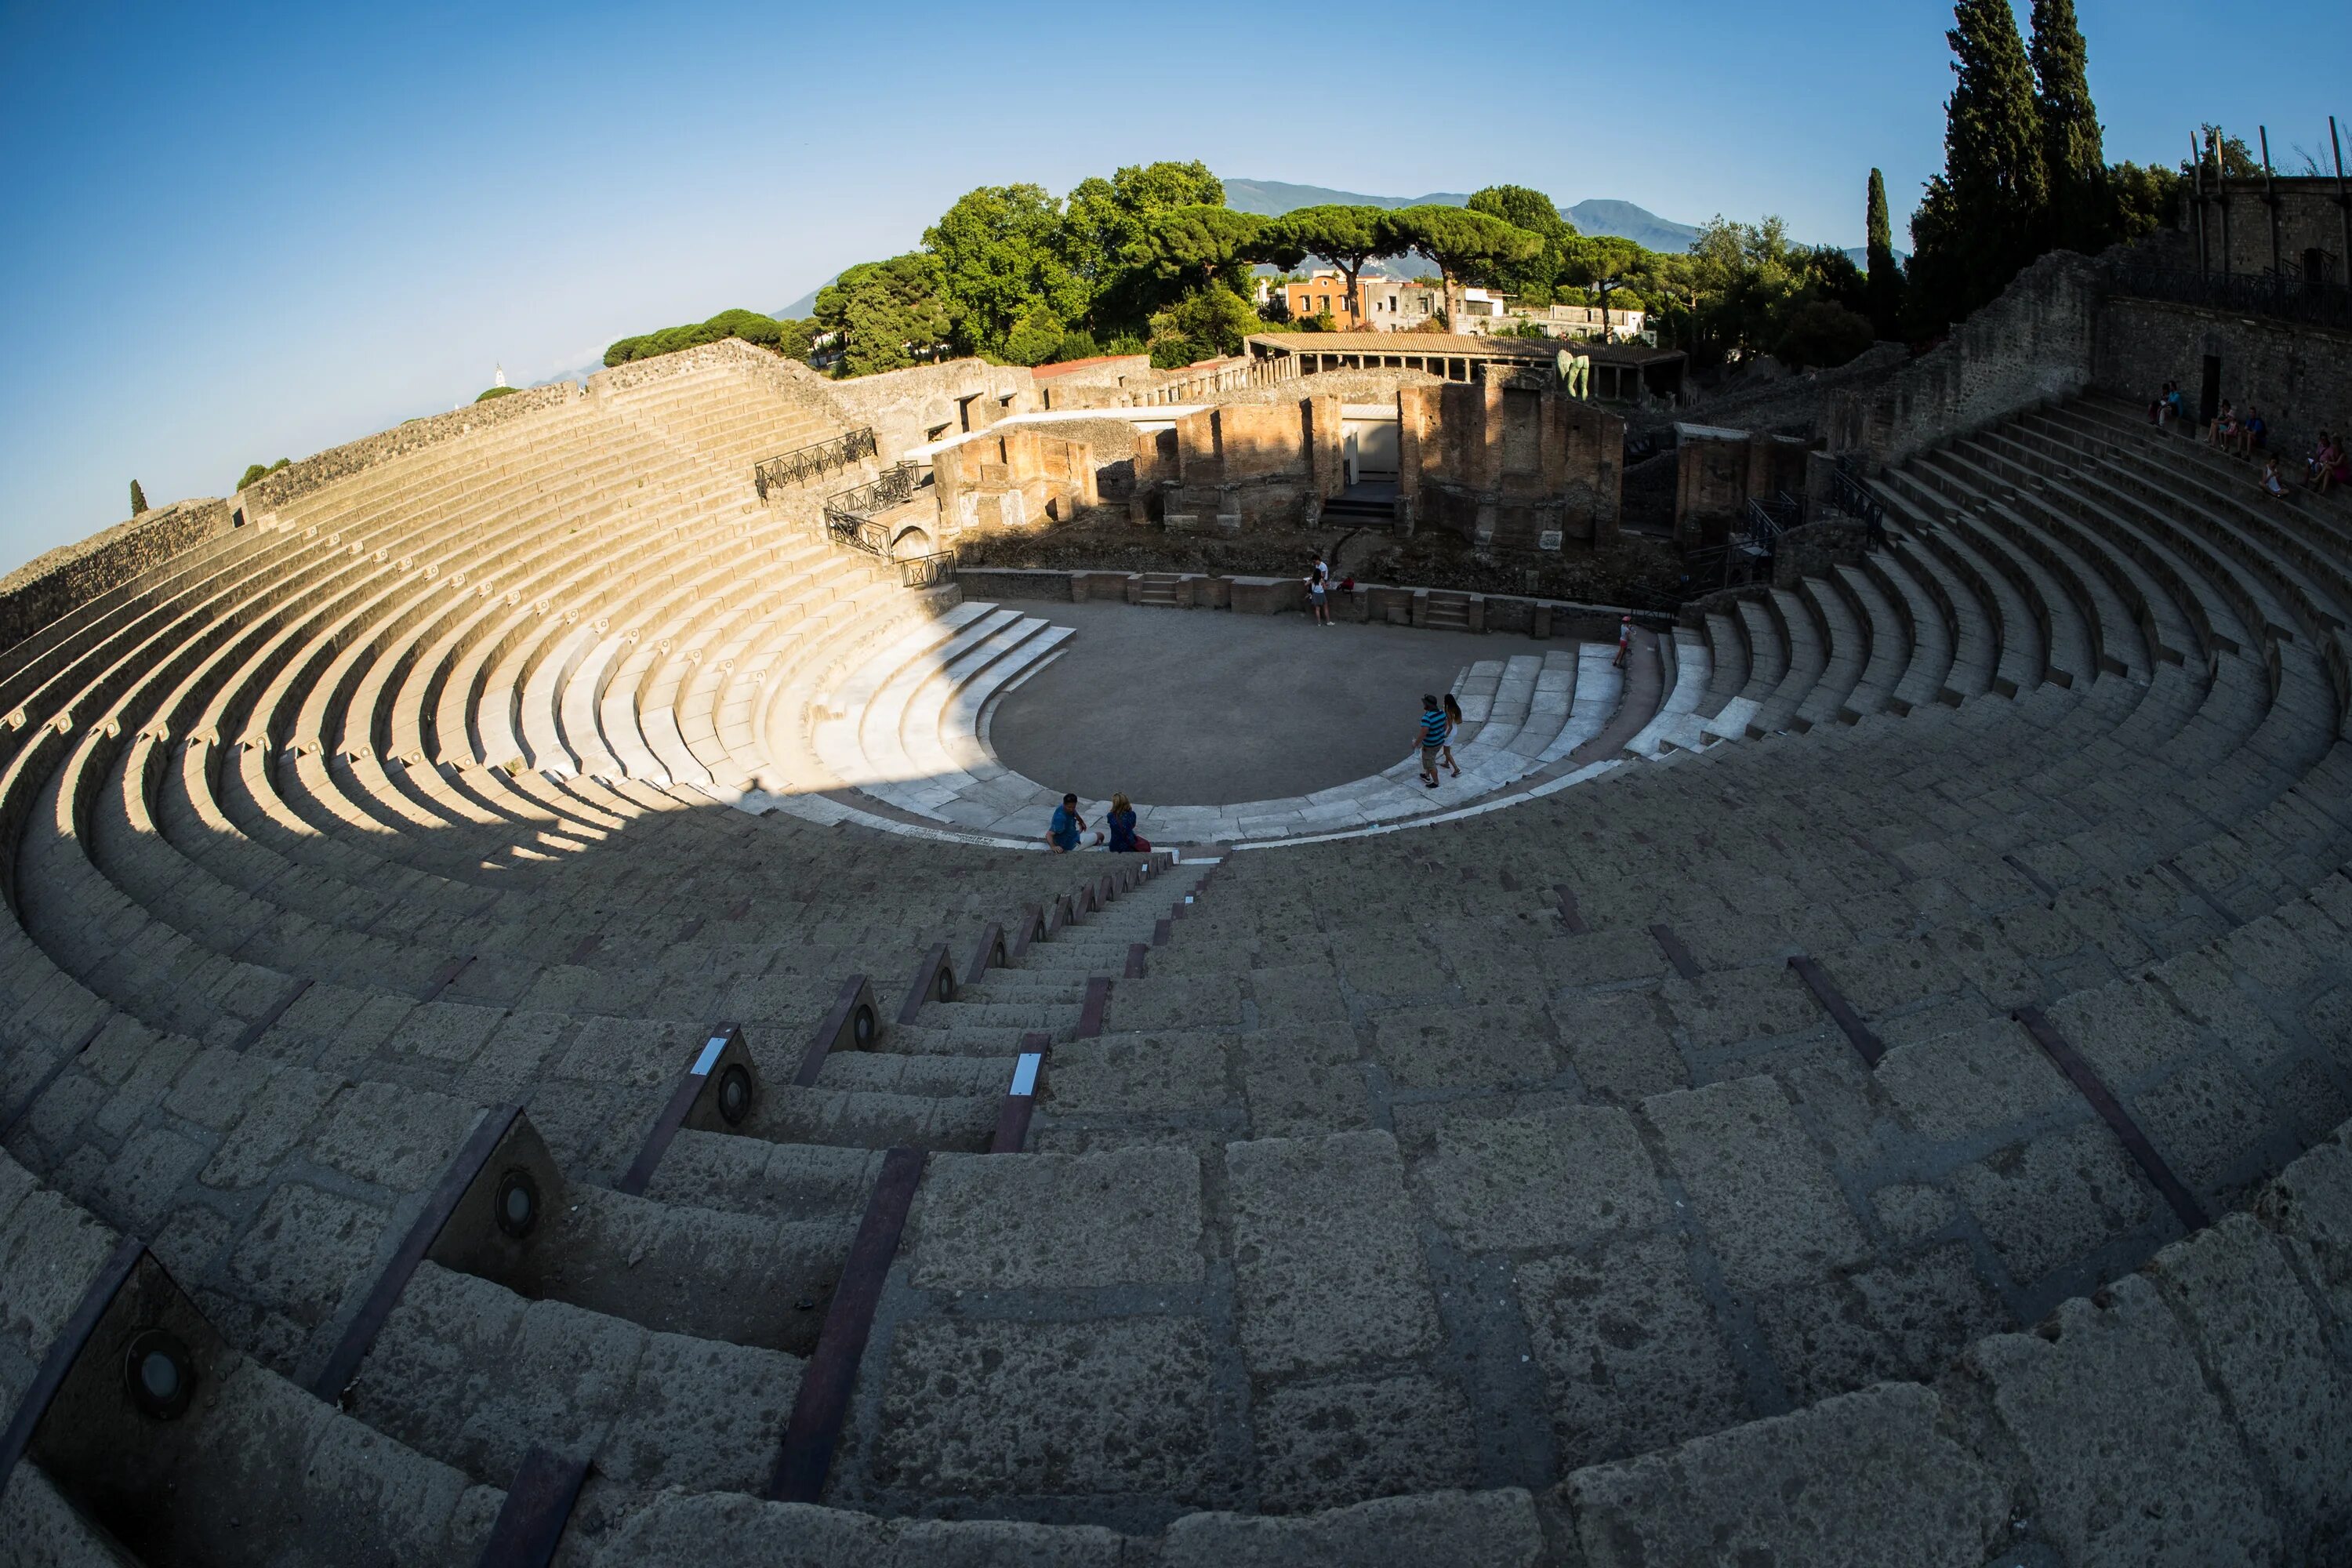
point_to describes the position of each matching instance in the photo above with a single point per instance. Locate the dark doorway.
(2208, 390)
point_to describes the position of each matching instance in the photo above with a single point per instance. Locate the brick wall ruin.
(908, 409)
(1717, 471)
(1509, 462)
(2299, 377)
(1240, 465)
(1016, 478)
(49, 585)
(2032, 344)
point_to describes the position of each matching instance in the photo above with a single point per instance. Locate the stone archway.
(911, 544)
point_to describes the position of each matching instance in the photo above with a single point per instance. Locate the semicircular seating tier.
(1922, 1032)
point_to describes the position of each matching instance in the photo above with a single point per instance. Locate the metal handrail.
(2285, 294)
(928, 571)
(814, 462)
(857, 532)
(896, 486)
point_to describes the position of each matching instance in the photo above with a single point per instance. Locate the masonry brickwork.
(2299, 377)
(49, 585)
(1506, 464)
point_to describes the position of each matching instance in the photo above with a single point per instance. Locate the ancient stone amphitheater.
(510, 1056)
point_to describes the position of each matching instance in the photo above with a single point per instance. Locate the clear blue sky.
(242, 232)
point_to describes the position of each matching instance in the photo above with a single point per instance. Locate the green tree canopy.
(1885, 274)
(887, 314)
(1208, 323)
(138, 498)
(1347, 237)
(1002, 259)
(1103, 227)
(2074, 166)
(489, 393)
(1199, 245)
(1468, 246)
(790, 338)
(1535, 278)
(256, 472)
(1983, 218)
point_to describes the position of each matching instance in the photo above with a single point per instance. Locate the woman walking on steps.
(1452, 722)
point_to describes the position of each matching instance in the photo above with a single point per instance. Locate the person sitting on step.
(1122, 822)
(2329, 467)
(2253, 433)
(2273, 486)
(2225, 427)
(1069, 828)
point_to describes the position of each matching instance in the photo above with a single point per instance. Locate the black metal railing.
(857, 532)
(849, 516)
(928, 571)
(2287, 295)
(1766, 521)
(1849, 495)
(896, 486)
(798, 467)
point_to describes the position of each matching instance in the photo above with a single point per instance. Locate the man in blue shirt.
(1069, 827)
(1433, 739)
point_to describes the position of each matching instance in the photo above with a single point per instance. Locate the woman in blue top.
(1121, 821)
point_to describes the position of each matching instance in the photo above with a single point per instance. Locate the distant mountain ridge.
(1600, 214)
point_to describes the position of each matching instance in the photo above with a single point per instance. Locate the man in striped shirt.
(1433, 739)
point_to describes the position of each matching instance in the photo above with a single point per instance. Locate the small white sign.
(710, 1057)
(1547, 539)
(1025, 1072)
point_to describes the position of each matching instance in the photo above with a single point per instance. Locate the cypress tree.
(138, 498)
(2073, 160)
(1885, 279)
(1983, 218)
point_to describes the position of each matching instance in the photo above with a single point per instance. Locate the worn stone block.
(1629, 1350)
(304, 1250)
(1870, 1481)
(401, 1138)
(1974, 1081)
(1324, 1445)
(2260, 1338)
(1464, 1047)
(1327, 1253)
(1761, 1187)
(1128, 1075)
(1058, 1222)
(1565, 1179)
(2131, 1455)
(1901, 1318)
(1498, 1528)
(1109, 1407)
(2055, 1198)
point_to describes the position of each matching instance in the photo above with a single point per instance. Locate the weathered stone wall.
(1716, 476)
(49, 585)
(1813, 548)
(1019, 477)
(904, 406)
(2238, 224)
(1794, 404)
(1241, 465)
(1101, 383)
(2033, 343)
(2300, 377)
(788, 379)
(1504, 466)
(264, 496)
